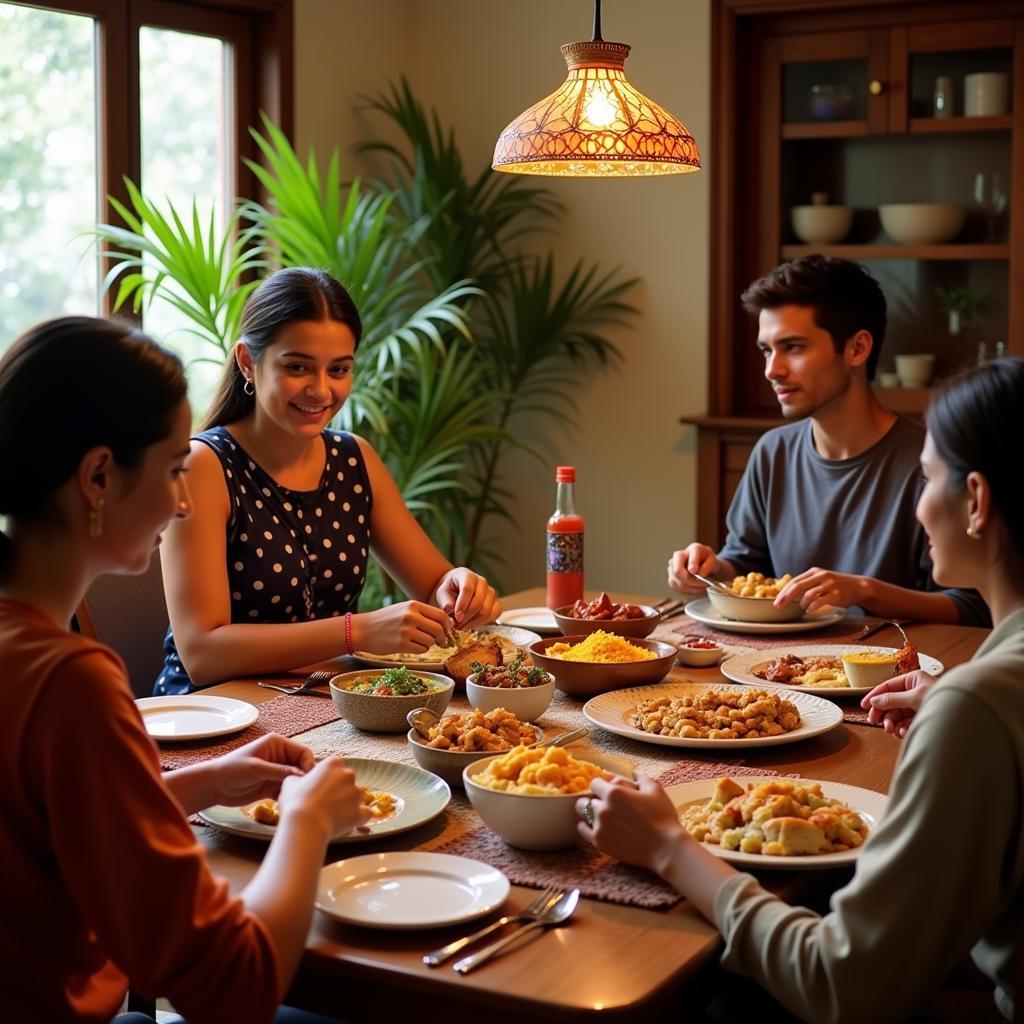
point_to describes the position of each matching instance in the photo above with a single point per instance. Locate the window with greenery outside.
(463, 335)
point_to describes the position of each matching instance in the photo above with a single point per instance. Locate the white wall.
(480, 62)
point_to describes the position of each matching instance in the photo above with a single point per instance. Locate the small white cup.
(985, 94)
(889, 380)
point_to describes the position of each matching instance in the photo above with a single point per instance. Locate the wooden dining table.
(613, 962)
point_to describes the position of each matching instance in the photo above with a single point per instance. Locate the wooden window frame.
(261, 35)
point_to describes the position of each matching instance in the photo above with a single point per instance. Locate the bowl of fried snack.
(377, 700)
(751, 598)
(605, 614)
(528, 795)
(526, 690)
(460, 738)
(593, 663)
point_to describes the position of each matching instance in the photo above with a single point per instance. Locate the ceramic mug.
(985, 94)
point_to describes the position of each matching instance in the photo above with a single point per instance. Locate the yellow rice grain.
(601, 648)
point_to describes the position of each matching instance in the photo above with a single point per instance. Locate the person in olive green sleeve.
(942, 874)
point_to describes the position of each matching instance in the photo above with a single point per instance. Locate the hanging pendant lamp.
(596, 124)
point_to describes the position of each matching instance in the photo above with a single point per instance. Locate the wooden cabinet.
(838, 98)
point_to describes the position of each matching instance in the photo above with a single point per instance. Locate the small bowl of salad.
(523, 689)
(377, 700)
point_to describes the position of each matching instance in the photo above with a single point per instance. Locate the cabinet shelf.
(824, 129)
(953, 251)
(953, 125)
(912, 400)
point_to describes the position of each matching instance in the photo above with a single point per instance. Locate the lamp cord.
(597, 22)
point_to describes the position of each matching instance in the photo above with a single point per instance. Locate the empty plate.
(194, 716)
(409, 890)
(540, 620)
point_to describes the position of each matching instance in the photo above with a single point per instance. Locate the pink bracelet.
(349, 649)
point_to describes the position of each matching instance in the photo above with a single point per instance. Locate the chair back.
(129, 614)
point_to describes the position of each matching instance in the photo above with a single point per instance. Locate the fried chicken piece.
(486, 652)
(907, 660)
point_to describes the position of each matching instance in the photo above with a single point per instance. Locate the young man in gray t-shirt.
(829, 497)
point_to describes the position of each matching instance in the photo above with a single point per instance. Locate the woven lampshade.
(596, 125)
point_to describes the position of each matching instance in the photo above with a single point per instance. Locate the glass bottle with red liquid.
(565, 543)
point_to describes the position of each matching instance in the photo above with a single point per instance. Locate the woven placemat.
(286, 715)
(595, 874)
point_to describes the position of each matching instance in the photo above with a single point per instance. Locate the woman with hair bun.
(942, 874)
(265, 576)
(104, 882)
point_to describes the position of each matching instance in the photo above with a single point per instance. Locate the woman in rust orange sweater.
(104, 881)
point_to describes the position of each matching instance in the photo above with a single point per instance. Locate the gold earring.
(973, 533)
(96, 519)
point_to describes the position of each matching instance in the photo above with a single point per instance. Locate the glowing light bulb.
(599, 109)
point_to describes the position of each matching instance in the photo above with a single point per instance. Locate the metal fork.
(551, 895)
(313, 679)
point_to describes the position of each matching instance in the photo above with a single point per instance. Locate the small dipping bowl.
(869, 668)
(704, 655)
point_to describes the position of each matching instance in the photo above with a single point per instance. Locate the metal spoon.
(707, 581)
(553, 916)
(422, 719)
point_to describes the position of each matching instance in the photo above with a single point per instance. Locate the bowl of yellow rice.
(593, 663)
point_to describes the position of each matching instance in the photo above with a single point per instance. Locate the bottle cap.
(565, 475)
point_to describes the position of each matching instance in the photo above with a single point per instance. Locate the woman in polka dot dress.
(263, 576)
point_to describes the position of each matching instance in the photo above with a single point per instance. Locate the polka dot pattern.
(274, 562)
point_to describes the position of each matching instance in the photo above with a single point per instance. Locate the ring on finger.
(588, 811)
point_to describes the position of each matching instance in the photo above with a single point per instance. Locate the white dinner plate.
(194, 716)
(511, 641)
(420, 796)
(741, 668)
(611, 711)
(866, 802)
(398, 891)
(701, 611)
(540, 620)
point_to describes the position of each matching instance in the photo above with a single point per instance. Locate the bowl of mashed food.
(528, 795)
(378, 700)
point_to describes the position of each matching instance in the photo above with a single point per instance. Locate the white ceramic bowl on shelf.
(915, 370)
(819, 224)
(922, 223)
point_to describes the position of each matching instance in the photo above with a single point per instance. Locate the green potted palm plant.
(462, 334)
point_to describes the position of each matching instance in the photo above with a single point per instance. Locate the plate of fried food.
(832, 670)
(779, 823)
(488, 645)
(716, 717)
(398, 796)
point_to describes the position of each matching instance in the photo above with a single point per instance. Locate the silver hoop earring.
(249, 388)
